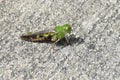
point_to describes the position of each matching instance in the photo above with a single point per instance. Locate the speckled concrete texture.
(95, 22)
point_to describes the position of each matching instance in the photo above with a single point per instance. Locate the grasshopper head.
(62, 30)
(67, 28)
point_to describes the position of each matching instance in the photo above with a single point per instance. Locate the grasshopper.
(58, 33)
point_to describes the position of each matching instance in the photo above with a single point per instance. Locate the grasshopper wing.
(41, 36)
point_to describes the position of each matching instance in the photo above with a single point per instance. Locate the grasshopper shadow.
(72, 40)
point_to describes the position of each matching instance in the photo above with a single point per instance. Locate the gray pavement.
(95, 56)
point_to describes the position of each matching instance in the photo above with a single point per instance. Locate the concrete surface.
(96, 22)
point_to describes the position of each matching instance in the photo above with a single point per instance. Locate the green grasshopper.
(58, 33)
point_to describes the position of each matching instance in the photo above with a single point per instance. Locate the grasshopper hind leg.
(53, 45)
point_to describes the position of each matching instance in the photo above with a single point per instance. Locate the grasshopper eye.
(65, 28)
